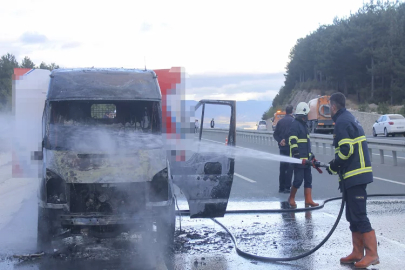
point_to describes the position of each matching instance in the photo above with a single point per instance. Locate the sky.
(235, 49)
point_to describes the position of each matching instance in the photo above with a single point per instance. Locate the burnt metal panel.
(103, 84)
(206, 178)
(207, 194)
(120, 198)
(93, 219)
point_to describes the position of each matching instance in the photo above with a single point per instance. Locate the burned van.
(105, 166)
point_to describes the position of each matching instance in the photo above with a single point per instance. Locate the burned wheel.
(45, 229)
(166, 225)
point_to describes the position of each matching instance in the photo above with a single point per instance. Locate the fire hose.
(315, 164)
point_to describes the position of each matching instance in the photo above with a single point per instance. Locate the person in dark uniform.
(352, 162)
(300, 147)
(281, 136)
(212, 123)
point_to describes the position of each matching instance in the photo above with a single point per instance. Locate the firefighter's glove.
(312, 156)
(332, 169)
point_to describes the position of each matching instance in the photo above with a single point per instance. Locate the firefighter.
(281, 136)
(352, 161)
(300, 147)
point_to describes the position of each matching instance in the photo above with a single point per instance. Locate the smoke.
(18, 215)
(5, 134)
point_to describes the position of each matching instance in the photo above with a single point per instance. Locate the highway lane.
(255, 187)
(388, 178)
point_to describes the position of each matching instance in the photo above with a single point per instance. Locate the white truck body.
(30, 87)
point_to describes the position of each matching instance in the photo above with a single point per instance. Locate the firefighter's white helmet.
(302, 108)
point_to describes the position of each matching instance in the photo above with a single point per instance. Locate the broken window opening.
(77, 120)
(142, 115)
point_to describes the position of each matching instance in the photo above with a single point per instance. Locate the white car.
(389, 124)
(262, 125)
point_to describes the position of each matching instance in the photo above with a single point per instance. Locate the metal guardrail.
(320, 140)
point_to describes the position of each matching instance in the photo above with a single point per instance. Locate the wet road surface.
(202, 244)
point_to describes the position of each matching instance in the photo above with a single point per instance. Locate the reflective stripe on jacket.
(298, 139)
(351, 150)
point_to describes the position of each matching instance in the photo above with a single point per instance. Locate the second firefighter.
(300, 147)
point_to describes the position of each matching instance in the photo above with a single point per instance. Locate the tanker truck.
(319, 117)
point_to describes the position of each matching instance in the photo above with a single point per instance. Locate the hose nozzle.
(314, 163)
(319, 164)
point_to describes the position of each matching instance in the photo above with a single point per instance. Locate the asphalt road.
(201, 244)
(387, 178)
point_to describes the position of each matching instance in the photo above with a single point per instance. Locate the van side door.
(206, 177)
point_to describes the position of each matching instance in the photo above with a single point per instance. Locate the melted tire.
(44, 230)
(165, 227)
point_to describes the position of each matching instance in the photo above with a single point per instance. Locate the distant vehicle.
(389, 124)
(277, 117)
(319, 116)
(262, 125)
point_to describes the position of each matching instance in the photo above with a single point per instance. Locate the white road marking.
(329, 215)
(236, 174)
(387, 180)
(252, 181)
(312, 146)
(235, 145)
(244, 178)
(374, 154)
(391, 241)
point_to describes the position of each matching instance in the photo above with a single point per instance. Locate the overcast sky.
(233, 39)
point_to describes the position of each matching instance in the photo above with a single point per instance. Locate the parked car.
(262, 125)
(389, 124)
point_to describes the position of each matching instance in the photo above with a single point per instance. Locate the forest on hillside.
(362, 56)
(7, 64)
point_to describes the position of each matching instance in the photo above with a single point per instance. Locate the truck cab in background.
(277, 117)
(319, 117)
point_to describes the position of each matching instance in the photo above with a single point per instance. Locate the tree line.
(7, 64)
(362, 56)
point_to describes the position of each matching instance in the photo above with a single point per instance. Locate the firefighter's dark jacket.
(351, 151)
(299, 140)
(281, 131)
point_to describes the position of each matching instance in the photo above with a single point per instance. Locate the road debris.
(29, 256)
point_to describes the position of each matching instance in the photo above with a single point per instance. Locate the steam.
(5, 134)
(109, 140)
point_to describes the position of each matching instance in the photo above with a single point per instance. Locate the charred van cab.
(105, 167)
